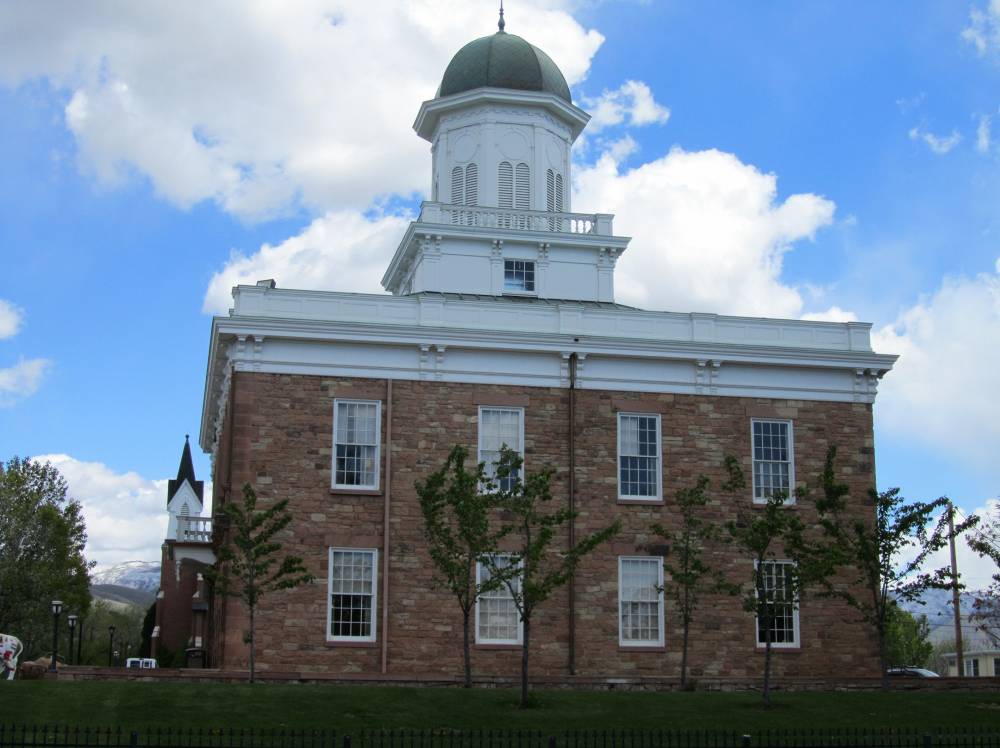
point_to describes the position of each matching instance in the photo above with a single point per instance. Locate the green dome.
(503, 61)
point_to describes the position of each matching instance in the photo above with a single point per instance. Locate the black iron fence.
(47, 736)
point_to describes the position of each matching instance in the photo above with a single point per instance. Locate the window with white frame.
(773, 460)
(518, 276)
(497, 619)
(639, 469)
(353, 591)
(972, 667)
(780, 611)
(356, 439)
(640, 601)
(497, 427)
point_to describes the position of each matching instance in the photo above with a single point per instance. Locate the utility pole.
(956, 602)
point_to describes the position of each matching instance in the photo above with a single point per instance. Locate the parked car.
(140, 663)
(911, 672)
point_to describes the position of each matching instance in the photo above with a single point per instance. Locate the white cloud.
(942, 392)
(833, 314)
(983, 31)
(937, 143)
(340, 251)
(262, 106)
(11, 318)
(632, 102)
(708, 231)
(983, 134)
(22, 379)
(976, 571)
(125, 513)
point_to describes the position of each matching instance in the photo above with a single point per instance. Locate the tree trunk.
(524, 663)
(767, 656)
(252, 642)
(684, 658)
(466, 649)
(684, 644)
(883, 657)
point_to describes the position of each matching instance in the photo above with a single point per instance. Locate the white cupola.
(499, 221)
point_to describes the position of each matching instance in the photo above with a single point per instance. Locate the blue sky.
(786, 159)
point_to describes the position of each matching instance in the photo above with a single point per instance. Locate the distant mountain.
(941, 617)
(120, 596)
(137, 575)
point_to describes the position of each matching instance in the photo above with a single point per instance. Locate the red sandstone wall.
(173, 613)
(282, 442)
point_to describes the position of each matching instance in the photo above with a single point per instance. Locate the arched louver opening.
(554, 198)
(185, 510)
(505, 185)
(471, 184)
(464, 191)
(456, 186)
(522, 194)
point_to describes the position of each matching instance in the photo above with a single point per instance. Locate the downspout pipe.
(385, 526)
(572, 508)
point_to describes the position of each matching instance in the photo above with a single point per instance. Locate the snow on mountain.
(138, 575)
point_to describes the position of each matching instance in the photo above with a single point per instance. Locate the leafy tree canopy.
(42, 539)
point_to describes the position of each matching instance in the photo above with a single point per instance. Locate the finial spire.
(501, 24)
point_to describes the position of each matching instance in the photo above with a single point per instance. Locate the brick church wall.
(280, 429)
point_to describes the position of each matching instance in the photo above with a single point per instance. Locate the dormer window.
(518, 276)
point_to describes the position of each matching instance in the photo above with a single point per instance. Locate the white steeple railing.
(598, 224)
(194, 529)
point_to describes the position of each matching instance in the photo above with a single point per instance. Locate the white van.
(140, 663)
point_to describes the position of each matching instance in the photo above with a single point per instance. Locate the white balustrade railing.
(598, 224)
(194, 529)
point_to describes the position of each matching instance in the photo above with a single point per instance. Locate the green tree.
(248, 566)
(457, 527)
(985, 541)
(42, 540)
(535, 569)
(907, 638)
(684, 560)
(871, 561)
(768, 534)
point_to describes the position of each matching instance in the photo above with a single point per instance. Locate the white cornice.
(376, 336)
(432, 110)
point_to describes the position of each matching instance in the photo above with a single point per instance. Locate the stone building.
(182, 601)
(501, 326)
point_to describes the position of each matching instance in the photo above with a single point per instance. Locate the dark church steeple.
(185, 472)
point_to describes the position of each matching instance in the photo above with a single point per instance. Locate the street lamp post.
(56, 610)
(79, 643)
(111, 644)
(71, 620)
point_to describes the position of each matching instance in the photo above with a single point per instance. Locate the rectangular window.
(519, 276)
(356, 437)
(353, 592)
(640, 601)
(773, 460)
(497, 619)
(638, 456)
(996, 666)
(972, 666)
(499, 426)
(782, 608)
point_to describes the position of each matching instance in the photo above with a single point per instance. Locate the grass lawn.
(139, 705)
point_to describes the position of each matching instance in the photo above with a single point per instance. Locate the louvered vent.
(522, 199)
(505, 191)
(472, 185)
(550, 191)
(456, 186)
(559, 194)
